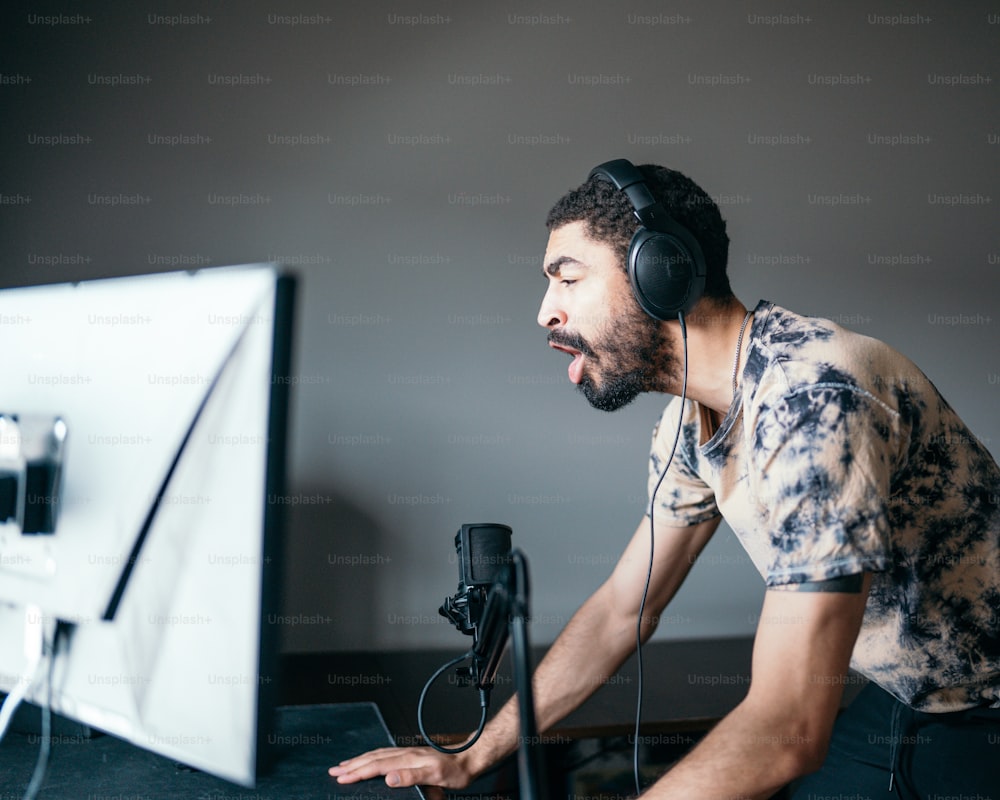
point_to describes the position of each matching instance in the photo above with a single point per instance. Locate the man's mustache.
(572, 340)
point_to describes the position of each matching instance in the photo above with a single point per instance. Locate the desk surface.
(688, 686)
(306, 742)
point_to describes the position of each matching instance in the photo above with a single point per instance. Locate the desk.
(306, 741)
(689, 685)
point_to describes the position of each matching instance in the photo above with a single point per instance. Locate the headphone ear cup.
(665, 278)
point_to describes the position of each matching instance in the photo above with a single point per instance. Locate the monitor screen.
(151, 411)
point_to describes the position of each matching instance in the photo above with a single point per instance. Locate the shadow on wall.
(330, 592)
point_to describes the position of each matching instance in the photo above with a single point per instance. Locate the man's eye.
(567, 281)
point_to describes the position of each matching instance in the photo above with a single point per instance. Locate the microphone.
(481, 607)
(491, 605)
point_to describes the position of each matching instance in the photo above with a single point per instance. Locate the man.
(871, 511)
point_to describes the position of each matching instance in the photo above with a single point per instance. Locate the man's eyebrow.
(554, 267)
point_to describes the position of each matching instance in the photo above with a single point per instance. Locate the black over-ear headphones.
(665, 264)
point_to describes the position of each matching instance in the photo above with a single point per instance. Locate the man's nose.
(550, 314)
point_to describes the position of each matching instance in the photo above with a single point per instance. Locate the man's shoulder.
(796, 353)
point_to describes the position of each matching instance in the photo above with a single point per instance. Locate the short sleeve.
(822, 460)
(683, 498)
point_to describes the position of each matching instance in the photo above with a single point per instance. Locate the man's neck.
(713, 332)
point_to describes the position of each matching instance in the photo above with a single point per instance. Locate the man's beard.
(632, 357)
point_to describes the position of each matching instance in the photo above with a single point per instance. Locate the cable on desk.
(45, 747)
(484, 702)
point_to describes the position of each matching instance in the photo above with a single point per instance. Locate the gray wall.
(402, 157)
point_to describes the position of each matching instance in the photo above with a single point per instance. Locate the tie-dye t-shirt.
(839, 456)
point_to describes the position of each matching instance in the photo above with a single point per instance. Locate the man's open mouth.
(575, 370)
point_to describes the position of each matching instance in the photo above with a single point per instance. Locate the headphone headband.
(627, 178)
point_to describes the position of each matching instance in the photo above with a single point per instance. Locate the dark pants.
(928, 756)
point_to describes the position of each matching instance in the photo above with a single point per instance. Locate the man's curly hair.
(609, 217)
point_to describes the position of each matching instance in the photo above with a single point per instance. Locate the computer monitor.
(160, 404)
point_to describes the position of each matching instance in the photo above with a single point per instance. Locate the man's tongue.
(576, 368)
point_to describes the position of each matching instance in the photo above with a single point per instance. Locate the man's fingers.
(403, 766)
(364, 758)
(355, 769)
(392, 763)
(403, 777)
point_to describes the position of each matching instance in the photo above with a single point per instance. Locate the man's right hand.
(406, 766)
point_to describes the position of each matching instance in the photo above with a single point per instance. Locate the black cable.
(649, 571)
(484, 702)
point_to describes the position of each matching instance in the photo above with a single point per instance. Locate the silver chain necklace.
(739, 346)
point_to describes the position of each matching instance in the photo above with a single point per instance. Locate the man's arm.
(594, 644)
(782, 729)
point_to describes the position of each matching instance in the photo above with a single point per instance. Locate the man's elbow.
(805, 753)
(811, 759)
(795, 746)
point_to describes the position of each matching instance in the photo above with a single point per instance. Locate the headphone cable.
(649, 571)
